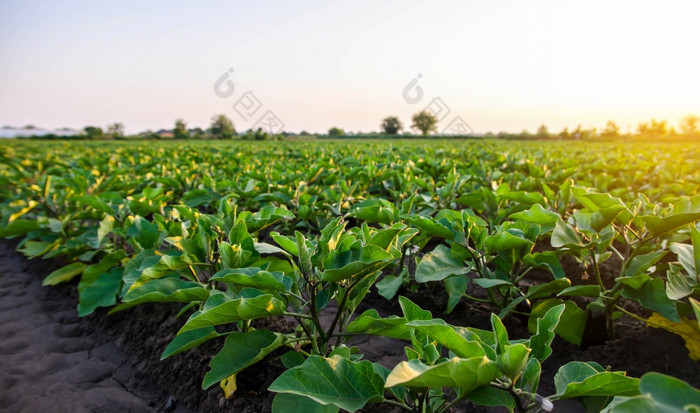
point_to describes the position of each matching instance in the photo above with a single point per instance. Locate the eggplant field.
(379, 275)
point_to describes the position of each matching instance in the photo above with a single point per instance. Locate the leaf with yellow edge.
(229, 385)
(687, 329)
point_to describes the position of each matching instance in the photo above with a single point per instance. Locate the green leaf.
(571, 324)
(64, 274)
(490, 282)
(499, 333)
(547, 289)
(542, 339)
(686, 256)
(218, 311)
(492, 397)
(100, 291)
(530, 379)
(448, 336)
(581, 291)
(430, 226)
(455, 287)
(346, 384)
(564, 235)
(439, 264)
(292, 403)
(292, 359)
(682, 213)
(513, 360)
(95, 202)
(652, 295)
(189, 340)
(144, 234)
(547, 260)
(18, 227)
(506, 240)
(249, 277)
(669, 391)
(601, 384)
(537, 214)
(355, 262)
(641, 263)
(371, 323)
(240, 351)
(412, 312)
(389, 286)
(465, 374)
(679, 285)
(164, 290)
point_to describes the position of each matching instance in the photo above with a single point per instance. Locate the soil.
(54, 361)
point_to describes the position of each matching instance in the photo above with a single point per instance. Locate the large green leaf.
(641, 263)
(465, 374)
(577, 379)
(652, 295)
(682, 213)
(222, 311)
(537, 214)
(356, 262)
(336, 380)
(564, 235)
(164, 290)
(448, 336)
(572, 321)
(439, 264)
(188, 340)
(370, 322)
(100, 291)
(506, 240)
(240, 351)
(540, 342)
(430, 226)
(249, 277)
(64, 274)
(293, 403)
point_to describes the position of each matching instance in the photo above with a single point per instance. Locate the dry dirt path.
(50, 359)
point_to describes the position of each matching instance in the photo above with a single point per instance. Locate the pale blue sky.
(499, 65)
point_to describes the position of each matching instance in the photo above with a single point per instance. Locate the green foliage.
(425, 122)
(237, 233)
(391, 125)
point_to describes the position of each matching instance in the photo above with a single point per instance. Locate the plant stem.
(398, 404)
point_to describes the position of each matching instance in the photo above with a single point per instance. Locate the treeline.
(391, 128)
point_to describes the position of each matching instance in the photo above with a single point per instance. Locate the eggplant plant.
(639, 235)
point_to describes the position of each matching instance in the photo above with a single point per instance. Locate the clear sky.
(499, 65)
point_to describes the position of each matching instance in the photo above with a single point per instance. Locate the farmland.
(481, 259)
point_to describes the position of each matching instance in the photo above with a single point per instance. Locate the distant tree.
(221, 127)
(93, 132)
(304, 133)
(612, 130)
(335, 131)
(564, 134)
(115, 130)
(180, 131)
(425, 122)
(653, 129)
(261, 135)
(391, 125)
(542, 132)
(689, 125)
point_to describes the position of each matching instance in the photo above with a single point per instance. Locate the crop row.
(238, 233)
